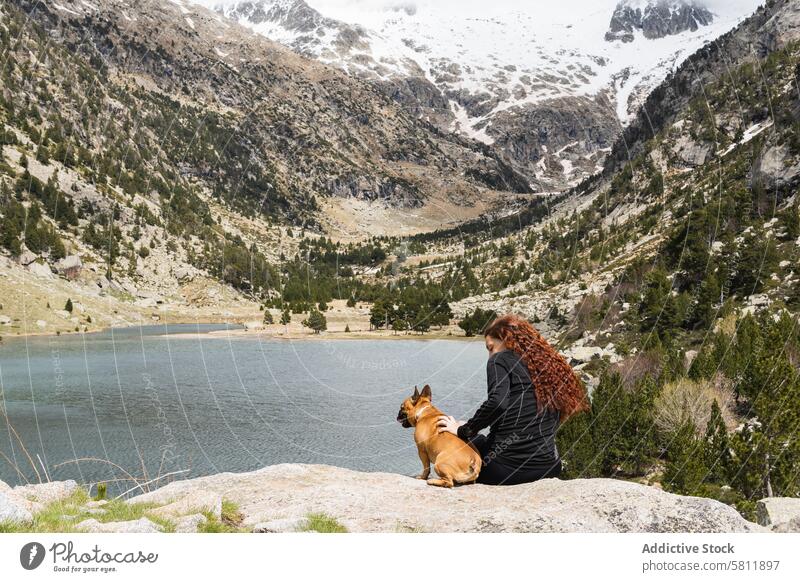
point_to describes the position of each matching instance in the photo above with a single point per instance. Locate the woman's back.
(520, 435)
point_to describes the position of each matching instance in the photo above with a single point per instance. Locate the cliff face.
(656, 19)
(383, 502)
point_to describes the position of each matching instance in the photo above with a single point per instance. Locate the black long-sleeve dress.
(521, 445)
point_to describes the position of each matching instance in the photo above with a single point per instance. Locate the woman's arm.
(499, 382)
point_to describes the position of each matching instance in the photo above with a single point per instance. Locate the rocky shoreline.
(281, 498)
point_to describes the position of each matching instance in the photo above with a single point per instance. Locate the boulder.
(40, 270)
(12, 509)
(190, 523)
(779, 513)
(69, 267)
(142, 525)
(36, 496)
(147, 302)
(184, 274)
(375, 502)
(26, 258)
(583, 353)
(5, 320)
(253, 325)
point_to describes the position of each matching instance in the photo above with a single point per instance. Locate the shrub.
(688, 401)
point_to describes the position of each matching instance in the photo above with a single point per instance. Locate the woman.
(531, 390)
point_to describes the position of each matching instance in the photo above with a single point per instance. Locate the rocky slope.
(567, 80)
(295, 131)
(280, 497)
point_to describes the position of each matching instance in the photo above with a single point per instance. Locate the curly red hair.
(557, 386)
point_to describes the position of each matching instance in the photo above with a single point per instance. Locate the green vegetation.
(651, 418)
(322, 523)
(65, 515)
(475, 322)
(231, 521)
(316, 321)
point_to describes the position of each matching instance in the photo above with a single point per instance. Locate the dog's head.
(408, 410)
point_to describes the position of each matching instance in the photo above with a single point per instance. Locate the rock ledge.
(383, 502)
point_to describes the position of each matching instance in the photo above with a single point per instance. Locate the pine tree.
(708, 296)
(316, 321)
(717, 447)
(686, 468)
(286, 317)
(774, 395)
(68, 306)
(268, 319)
(579, 453)
(611, 411)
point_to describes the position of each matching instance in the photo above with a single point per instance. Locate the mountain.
(542, 85)
(153, 154)
(656, 19)
(694, 218)
(289, 135)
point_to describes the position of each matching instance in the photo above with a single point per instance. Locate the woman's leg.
(498, 473)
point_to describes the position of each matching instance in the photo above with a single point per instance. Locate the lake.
(182, 401)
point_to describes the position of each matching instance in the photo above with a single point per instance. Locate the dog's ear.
(415, 396)
(426, 392)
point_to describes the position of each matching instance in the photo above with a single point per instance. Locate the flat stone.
(142, 525)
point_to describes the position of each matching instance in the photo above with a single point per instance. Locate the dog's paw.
(423, 477)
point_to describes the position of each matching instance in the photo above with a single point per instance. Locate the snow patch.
(749, 134)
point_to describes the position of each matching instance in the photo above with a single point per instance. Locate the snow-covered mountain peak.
(476, 67)
(656, 18)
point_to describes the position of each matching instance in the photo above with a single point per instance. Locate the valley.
(166, 163)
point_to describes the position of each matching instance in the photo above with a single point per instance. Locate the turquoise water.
(209, 404)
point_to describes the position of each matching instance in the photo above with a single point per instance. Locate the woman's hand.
(448, 424)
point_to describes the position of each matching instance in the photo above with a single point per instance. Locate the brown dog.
(453, 460)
